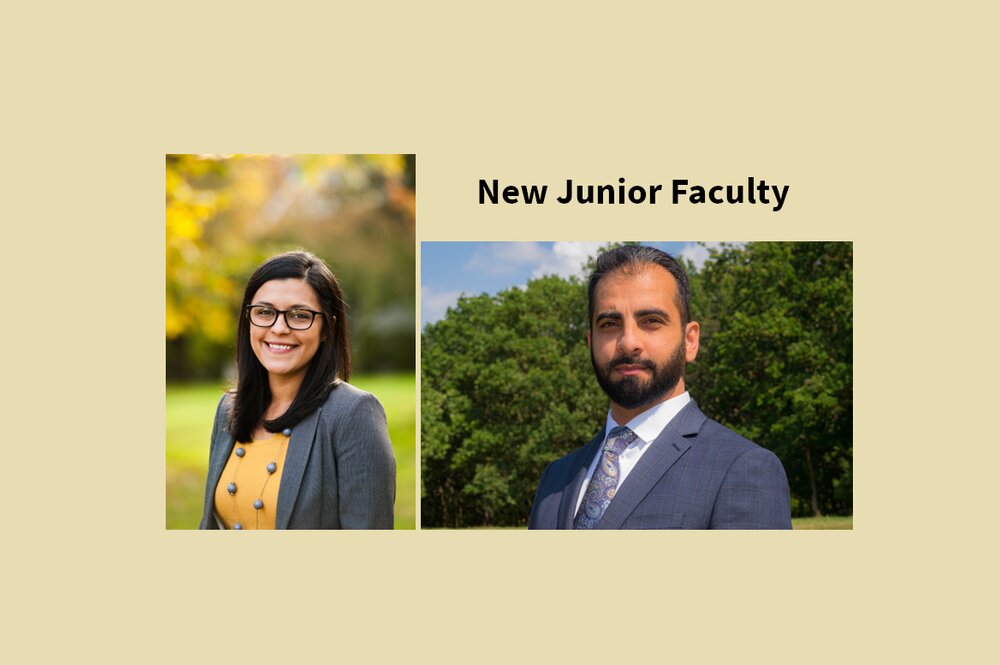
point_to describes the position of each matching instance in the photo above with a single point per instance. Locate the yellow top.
(248, 477)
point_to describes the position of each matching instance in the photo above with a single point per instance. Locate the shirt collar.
(650, 423)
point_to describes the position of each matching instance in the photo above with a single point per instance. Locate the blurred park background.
(507, 385)
(225, 214)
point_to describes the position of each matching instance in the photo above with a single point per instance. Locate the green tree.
(776, 359)
(506, 388)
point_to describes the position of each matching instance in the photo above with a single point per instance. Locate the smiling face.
(284, 352)
(637, 343)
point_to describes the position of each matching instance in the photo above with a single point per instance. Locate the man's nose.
(630, 341)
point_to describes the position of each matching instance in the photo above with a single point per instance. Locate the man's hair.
(632, 259)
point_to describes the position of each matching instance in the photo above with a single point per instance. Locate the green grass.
(797, 523)
(191, 410)
(398, 394)
(831, 522)
(802, 523)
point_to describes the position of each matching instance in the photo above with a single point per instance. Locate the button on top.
(286, 432)
(272, 467)
(240, 452)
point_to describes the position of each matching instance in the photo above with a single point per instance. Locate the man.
(659, 462)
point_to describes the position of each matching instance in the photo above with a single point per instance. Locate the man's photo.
(637, 386)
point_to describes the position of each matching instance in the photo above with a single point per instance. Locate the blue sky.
(449, 269)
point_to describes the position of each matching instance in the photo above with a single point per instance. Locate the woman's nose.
(280, 324)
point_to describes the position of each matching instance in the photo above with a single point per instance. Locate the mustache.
(629, 360)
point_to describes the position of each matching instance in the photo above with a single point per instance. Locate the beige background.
(881, 119)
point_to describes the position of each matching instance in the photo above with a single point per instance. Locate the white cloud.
(566, 259)
(501, 258)
(562, 258)
(434, 305)
(698, 253)
(519, 252)
(695, 253)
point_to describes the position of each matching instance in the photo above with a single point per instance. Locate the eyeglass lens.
(296, 319)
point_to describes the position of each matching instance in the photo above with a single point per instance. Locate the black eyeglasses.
(297, 318)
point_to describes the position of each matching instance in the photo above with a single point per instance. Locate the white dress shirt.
(647, 426)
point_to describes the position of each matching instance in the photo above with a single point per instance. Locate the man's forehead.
(647, 281)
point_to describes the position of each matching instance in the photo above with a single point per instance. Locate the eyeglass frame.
(282, 313)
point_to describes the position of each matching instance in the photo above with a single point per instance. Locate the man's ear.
(692, 336)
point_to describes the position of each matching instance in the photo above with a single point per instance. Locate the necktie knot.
(619, 439)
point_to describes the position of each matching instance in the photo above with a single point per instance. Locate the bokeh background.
(225, 214)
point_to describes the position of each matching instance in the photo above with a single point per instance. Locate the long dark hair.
(331, 363)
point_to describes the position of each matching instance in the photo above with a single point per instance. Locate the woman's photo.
(295, 446)
(291, 342)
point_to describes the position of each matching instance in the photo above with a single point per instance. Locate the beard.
(632, 392)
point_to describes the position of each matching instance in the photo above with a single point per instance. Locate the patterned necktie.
(604, 482)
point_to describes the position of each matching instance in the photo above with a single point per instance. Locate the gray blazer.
(696, 475)
(339, 472)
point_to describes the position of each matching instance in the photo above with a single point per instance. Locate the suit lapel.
(673, 442)
(567, 505)
(299, 449)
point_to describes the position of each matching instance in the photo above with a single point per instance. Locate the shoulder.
(348, 402)
(753, 487)
(354, 423)
(571, 458)
(729, 442)
(226, 401)
(718, 446)
(569, 463)
(691, 422)
(224, 409)
(344, 395)
(719, 433)
(739, 452)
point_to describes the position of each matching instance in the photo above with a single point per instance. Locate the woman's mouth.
(275, 347)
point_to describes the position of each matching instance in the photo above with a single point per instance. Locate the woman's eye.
(265, 311)
(300, 315)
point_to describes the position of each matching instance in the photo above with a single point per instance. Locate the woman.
(295, 446)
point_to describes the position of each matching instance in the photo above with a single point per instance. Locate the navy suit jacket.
(696, 475)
